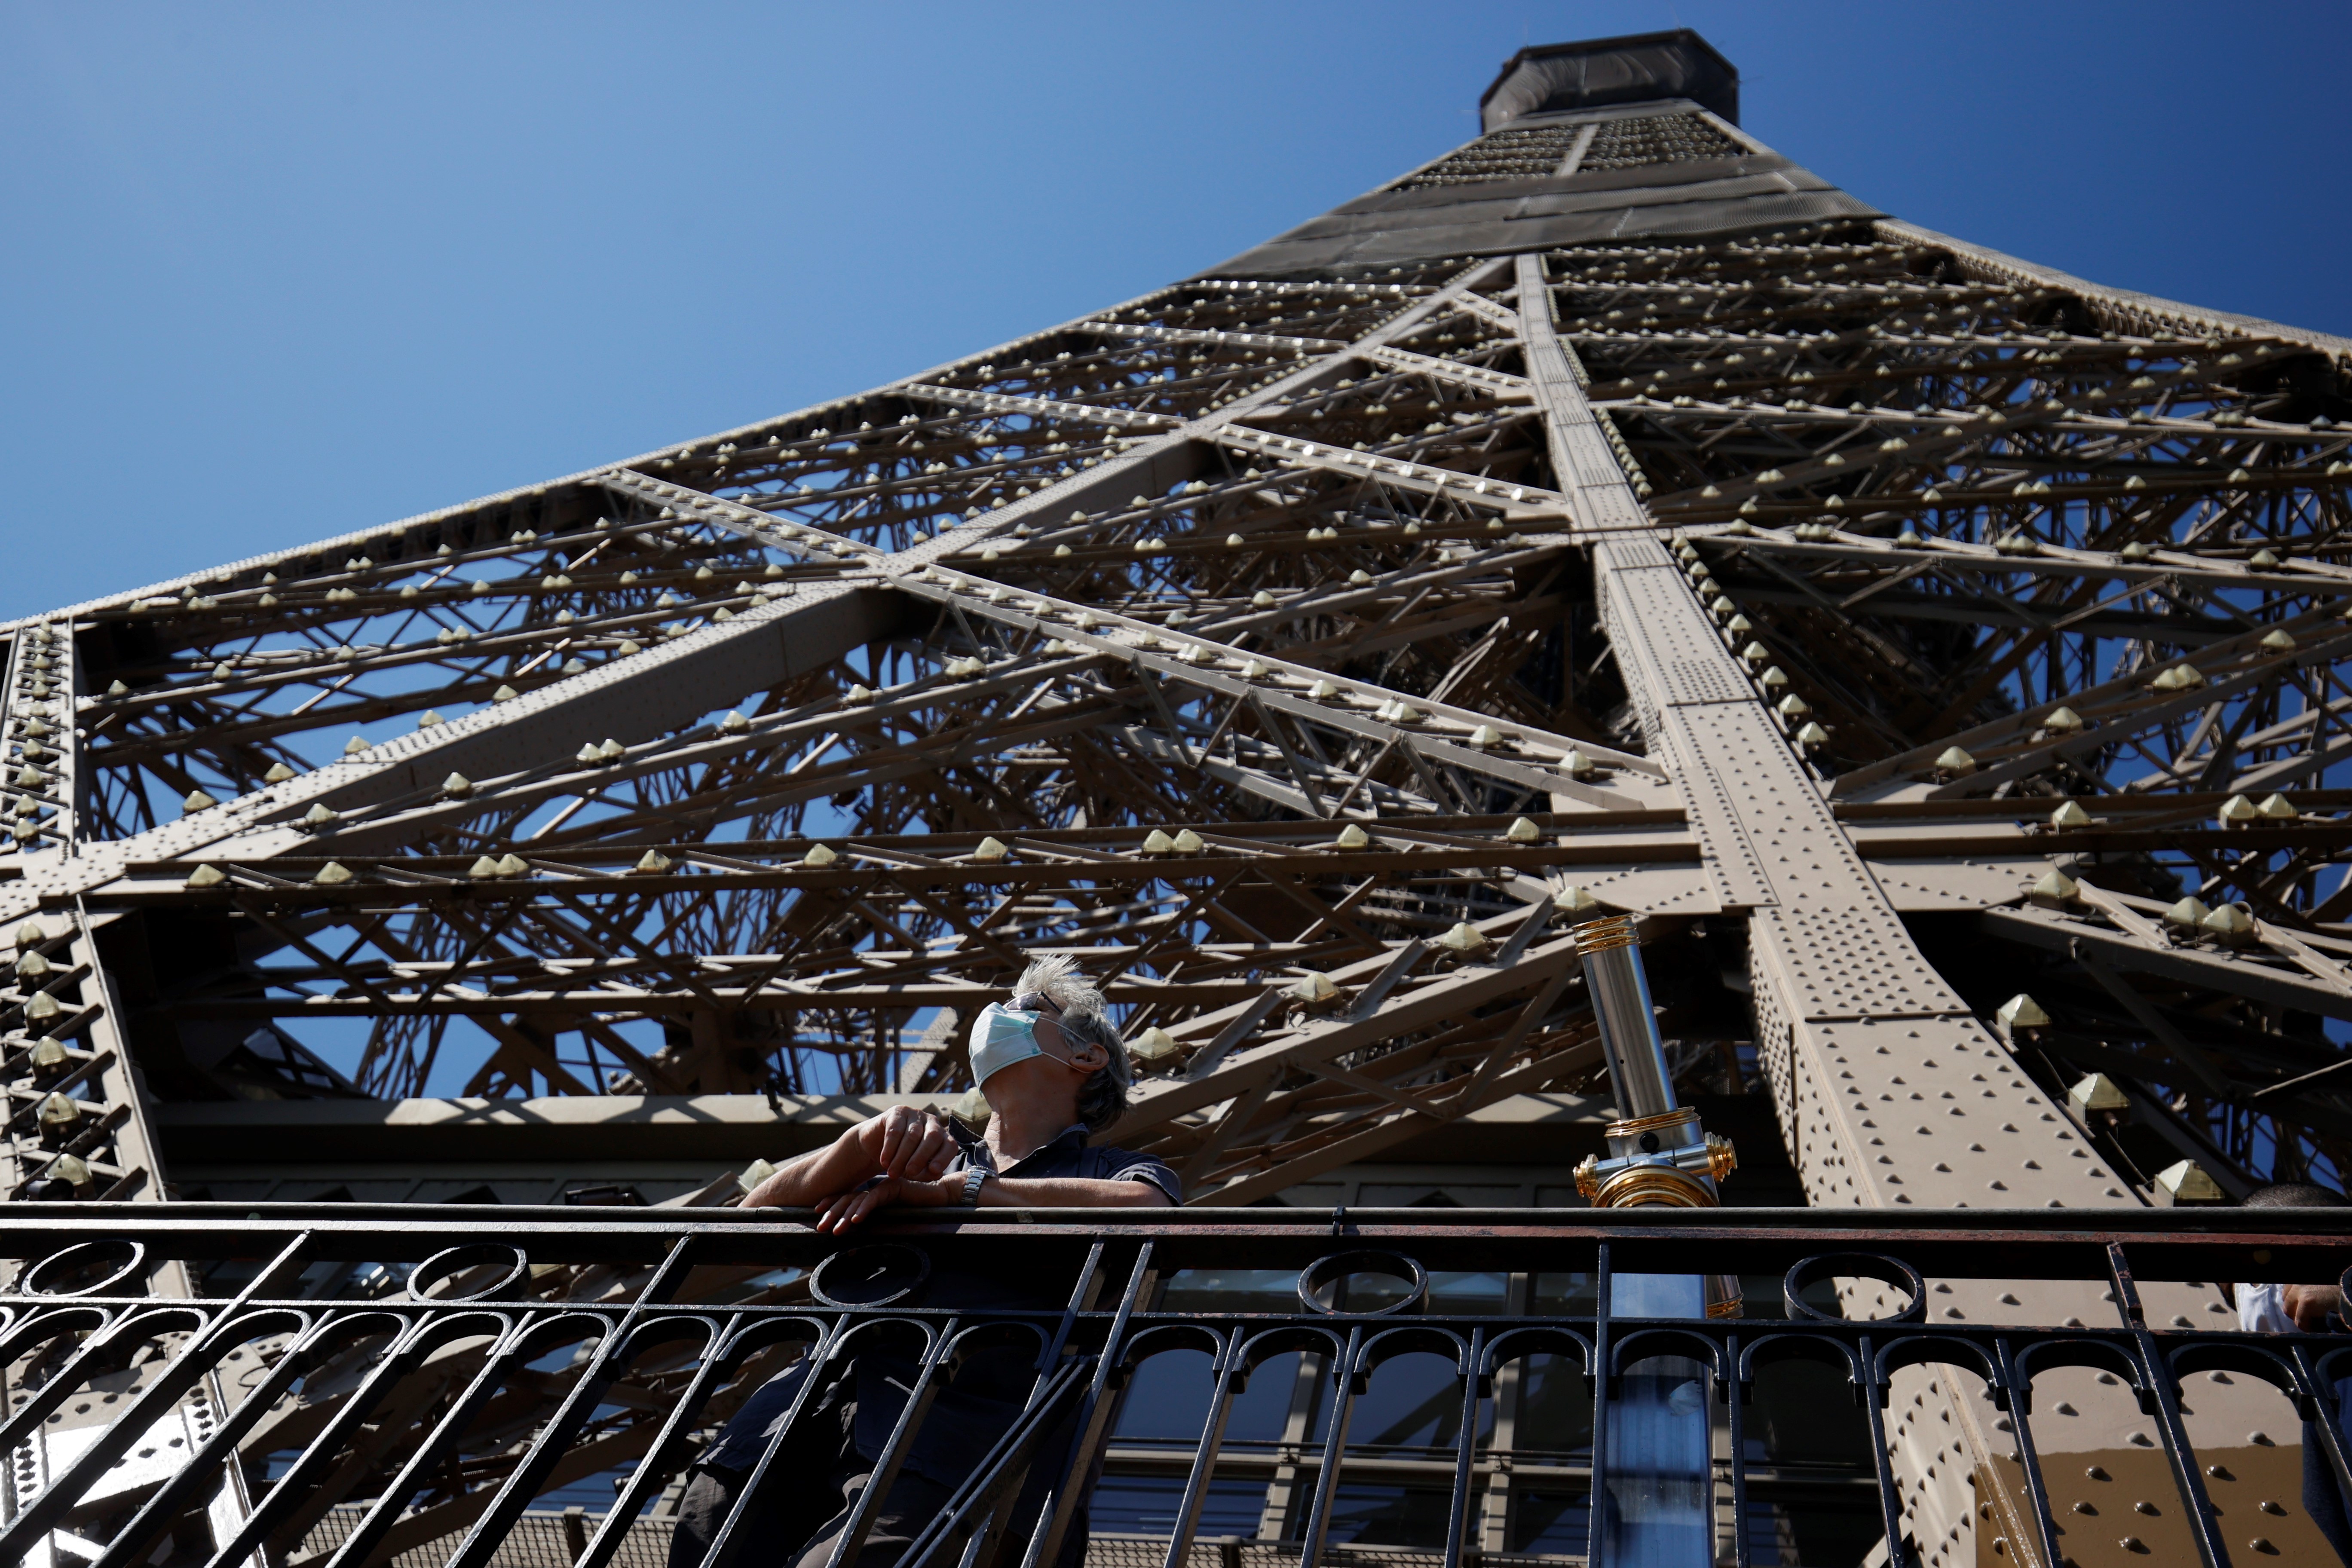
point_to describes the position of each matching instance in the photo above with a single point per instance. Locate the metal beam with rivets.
(1890, 1091)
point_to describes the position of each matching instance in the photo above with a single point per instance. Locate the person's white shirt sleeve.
(2260, 1311)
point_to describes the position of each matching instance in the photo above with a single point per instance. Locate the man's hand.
(846, 1209)
(901, 1144)
(2311, 1306)
(906, 1143)
(842, 1210)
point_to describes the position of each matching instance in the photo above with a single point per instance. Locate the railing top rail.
(2201, 1245)
(2070, 1226)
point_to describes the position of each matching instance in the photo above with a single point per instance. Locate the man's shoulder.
(1108, 1161)
(1112, 1155)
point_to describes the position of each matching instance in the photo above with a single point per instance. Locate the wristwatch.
(974, 1180)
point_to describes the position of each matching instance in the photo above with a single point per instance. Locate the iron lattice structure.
(1436, 1390)
(1943, 654)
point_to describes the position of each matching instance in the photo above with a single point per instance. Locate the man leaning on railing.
(2273, 1309)
(1052, 1068)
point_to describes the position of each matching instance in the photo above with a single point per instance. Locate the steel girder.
(1292, 508)
(1290, 650)
(568, 659)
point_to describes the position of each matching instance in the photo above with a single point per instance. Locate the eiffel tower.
(1939, 655)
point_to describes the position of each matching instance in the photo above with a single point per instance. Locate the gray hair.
(2293, 1195)
(1102, 1097)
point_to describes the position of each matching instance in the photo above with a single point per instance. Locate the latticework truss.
(1900, 627)
(571, 753)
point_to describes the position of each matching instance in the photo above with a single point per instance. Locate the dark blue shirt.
(962, 1426)
(1066, 1154)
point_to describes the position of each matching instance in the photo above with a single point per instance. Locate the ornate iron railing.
(209, 1384)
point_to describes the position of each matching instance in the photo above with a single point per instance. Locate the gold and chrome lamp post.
(1658, 1153)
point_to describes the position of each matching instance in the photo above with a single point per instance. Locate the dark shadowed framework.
(1942, 654)
(206, 1325)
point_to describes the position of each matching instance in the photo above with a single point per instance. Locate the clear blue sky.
(270, 273)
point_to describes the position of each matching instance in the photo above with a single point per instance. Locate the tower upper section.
(1607, 140)
(1600, 72)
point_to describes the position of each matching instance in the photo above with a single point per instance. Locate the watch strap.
(974, 1180)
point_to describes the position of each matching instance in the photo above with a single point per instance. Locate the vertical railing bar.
(611, 1534)
(1000, 1472)
(1596, 1501)
(505, 1356)
(2019, 1396)
(982, 1540)
(1080, 1294)
(131, 1543)
(384, 1351)
(2157, 1373)
(1053, 1522)
(851, 1540)
(818, 1357)
(2210, 1549)
(400, 1358)
(1457, 1515)
(1873, 1404)
(1734, 1393)
(1507, 1388)
(163, 1392)
(37, 1515)
(274, 1273)
(522, 1483)
(90, 1354)
(1335, 1442)
(2125, 1288)
(1227, 1372)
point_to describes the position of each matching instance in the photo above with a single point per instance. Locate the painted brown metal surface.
(1940, 654)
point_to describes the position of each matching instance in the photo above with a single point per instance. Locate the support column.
(1889, 1090)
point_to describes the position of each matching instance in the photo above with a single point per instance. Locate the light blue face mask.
(1001, 1036)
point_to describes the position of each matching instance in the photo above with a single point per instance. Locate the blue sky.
(270, 273)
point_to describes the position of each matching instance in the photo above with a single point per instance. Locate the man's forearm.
(800, 1182)
(902, 1142)
(2310, 1306)
(1068, 1192)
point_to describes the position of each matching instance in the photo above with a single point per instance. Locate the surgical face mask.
(1001, 1036)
